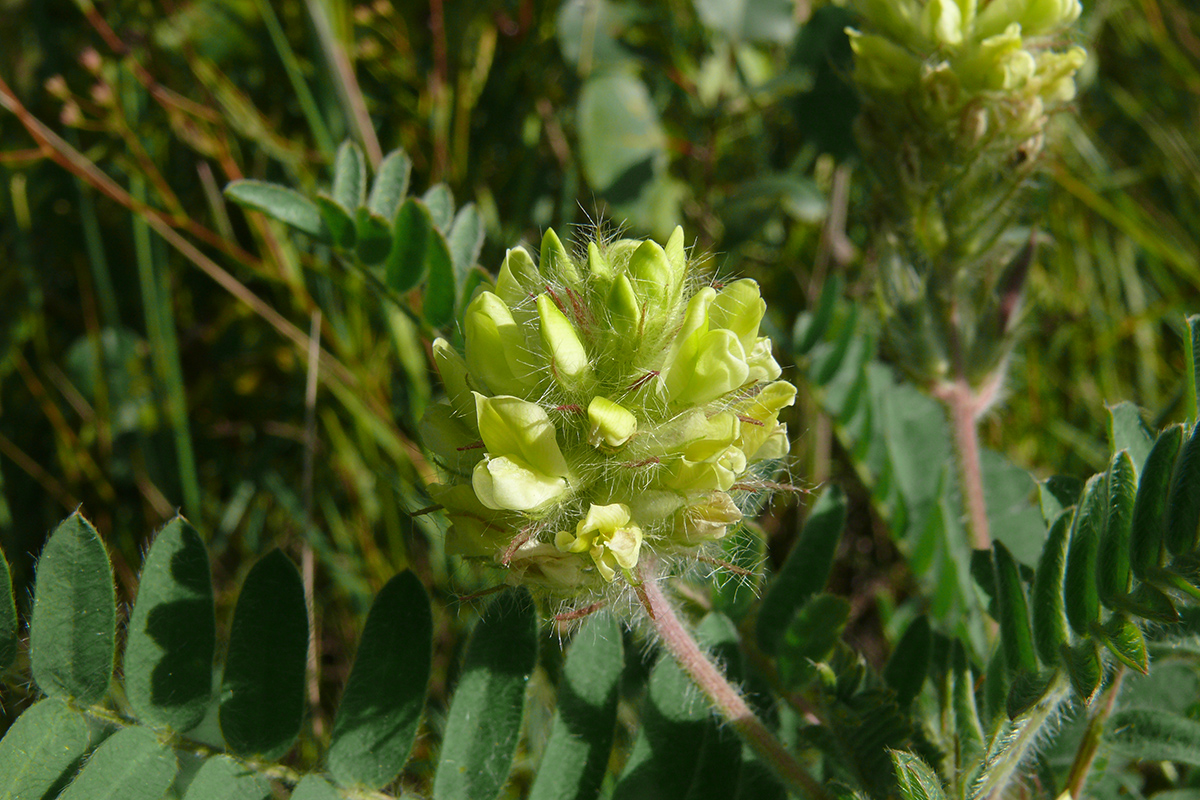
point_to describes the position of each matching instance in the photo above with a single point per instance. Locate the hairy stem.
(963, 406)
(1086, 754)
(724, 697)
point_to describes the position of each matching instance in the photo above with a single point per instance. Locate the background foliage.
(138, 377)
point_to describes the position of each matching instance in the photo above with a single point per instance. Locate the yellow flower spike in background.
(616, 405)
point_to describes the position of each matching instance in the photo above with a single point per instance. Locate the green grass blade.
(72, 633)
(132, 764)
(484, 723)
(262, 689)
(577, 752)
(172, 632)
(380, 711)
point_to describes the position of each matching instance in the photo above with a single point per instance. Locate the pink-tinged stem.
(724, 697)
(963, 406)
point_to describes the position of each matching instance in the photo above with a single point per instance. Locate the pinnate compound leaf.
(262, 689)
(1058, 493)
(314, 787)
(1154, 735)
(440, 291)
(338, 221)
(915, 779)
(172, 632)
(1050, 630)
(349, 177)
(1082, 595)
(1150, 503)
(9, 635)
(577, 752)
(391, 185)
(405, 264)
(1016, 635)
(465, 240)
(440, 203)
(73, 630)
(810, 637)
(1084, 668)
(1183, 503)
(373, 235)
(1112, 562)
(222, 778)
(132, 764)
(909, 664)
(1126, 431)
(1124, 639)
(484, 721)
(380, 710)
(806, 569)
(281, 203)
(39, 747)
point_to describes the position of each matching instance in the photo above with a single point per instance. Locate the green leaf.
(338, 221)
(1081, 593)
(810, 637)
(465, 241)
(314, 787)
(132, 764)
(440, 292)
(665, 753)
(41, 745)
(1126, 431)
(1149, 603)
(577, 751)
(1050, 631)
(1011, 516)
(440, 203)
(262, 690)
(909, 663)
(1027, 690)
(374, 236)
(806, 569)
(380, 710)
(915, 779)
(1150, 504)
(349, 177)
(484, 721)
(1112, 563)
(1058, 493)
(967, 726)
(9, 635)
(281, 203)
(1154, 735)
(1183, 503)
(391, 185)
(1123, 638)
(810, 327)
(405, 265)
(1084, 668)
(1016, 635)
(620, 137)
(172, 632)
(222, 778)
(73, 629)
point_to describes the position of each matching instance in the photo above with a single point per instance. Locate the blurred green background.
(140, 374)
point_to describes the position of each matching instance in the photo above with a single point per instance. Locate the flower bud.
(568, 358)
(555, 264)
(453, 372)
(518, 277)
(496, 347)
(611, 424)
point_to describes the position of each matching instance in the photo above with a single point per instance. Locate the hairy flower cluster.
(606, 406)
(978, 63)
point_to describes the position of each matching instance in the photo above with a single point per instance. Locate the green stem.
(1086, 754)
(724, 697)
